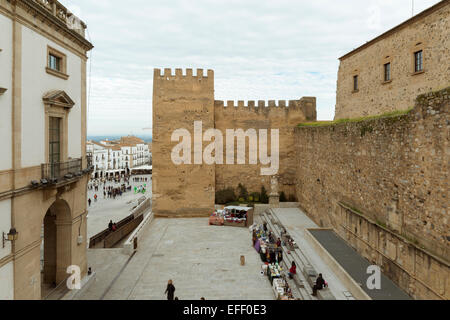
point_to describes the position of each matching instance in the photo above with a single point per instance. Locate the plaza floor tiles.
(202, 261)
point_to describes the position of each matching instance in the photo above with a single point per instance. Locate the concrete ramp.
(356, 266)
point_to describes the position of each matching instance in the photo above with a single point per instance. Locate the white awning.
(145, 167)
(238, 208)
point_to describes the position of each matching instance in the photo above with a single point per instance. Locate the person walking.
(170, 290)
(89, 201)
(95, 197)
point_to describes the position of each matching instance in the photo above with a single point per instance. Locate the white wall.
(6, 98)
(6, 271)
(5, 225)
(7, 282)
(35, 83)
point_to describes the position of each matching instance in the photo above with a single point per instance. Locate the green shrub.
(225, 196)
(242, 191)
(256, 196)
(264, 196)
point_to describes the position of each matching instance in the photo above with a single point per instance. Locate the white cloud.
(258, 49)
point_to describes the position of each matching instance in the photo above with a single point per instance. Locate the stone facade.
(282, 116)
(427, 31)
(178, 101)
(37, 193)
(383, 184)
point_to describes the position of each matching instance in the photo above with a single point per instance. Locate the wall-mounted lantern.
(11, 236)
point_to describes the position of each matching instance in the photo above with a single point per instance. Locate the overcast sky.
(259, 50)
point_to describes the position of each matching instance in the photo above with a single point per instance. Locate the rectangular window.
(418, 61)
(54, 62)
(54, 140)
(355, 83)
(387, 72)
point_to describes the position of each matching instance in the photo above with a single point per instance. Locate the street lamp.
(11, 236)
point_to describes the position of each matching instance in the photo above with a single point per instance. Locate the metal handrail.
(64, 169)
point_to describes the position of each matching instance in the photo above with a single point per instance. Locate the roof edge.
(411, 20)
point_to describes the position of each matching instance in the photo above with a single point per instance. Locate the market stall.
(216, 218)
(281, 289)
(266, 245)
(236, 216)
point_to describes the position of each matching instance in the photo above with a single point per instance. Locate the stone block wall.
(429, 32)
(178, 101)
(189, 189)
(383, 184)
(283, 116)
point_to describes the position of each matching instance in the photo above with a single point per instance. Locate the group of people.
(272, 256)
(112, 226)
(113, 192)
(140, 179)
(320, 281)
(110, 188)
(273, 252)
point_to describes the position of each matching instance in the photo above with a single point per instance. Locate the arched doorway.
(56, 246)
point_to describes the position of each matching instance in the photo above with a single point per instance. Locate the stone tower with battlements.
(180, 99)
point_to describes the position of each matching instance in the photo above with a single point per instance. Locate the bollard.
(242, 260)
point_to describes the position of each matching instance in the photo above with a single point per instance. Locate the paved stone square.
(104, 210)
(202, 261)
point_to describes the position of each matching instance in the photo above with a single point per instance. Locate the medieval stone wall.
(283, 116)
(428, 32)
(383, 184)
(179, 100)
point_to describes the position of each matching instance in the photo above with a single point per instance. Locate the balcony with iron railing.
(57, 172)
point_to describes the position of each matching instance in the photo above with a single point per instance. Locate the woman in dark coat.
(170, 290)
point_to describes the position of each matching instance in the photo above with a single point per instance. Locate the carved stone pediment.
(58, 98)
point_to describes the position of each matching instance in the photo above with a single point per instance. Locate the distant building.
(43, 164)
(387, 73)
(117, 157)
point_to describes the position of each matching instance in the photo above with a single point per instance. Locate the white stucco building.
(118, 157)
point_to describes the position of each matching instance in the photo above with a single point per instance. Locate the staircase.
(306, 275)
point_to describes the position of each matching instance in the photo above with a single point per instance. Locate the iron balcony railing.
(53, 172)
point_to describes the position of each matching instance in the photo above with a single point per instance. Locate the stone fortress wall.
(280, 115)
(428, 31)
(382, 185)
(179, 100)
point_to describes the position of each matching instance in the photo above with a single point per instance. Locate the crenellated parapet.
(180, 74)
(306, 105)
